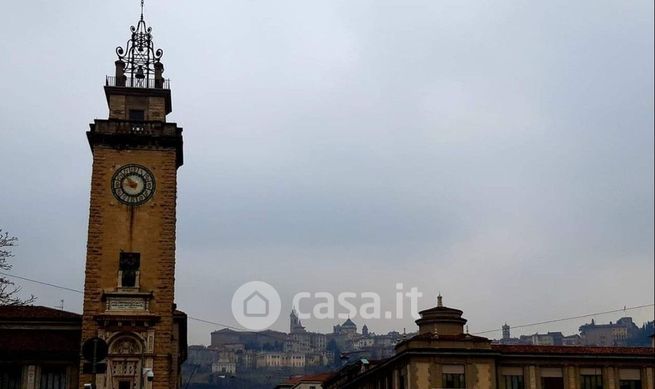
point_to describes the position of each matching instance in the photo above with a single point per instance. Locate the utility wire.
(42, 283)
(217, 324)
(82, 292)
(624, 309)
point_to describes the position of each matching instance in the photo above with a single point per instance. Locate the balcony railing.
(133, 82)
(156, 128)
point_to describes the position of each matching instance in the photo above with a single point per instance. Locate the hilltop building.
(623, 333)
(246, 354)
(295, 326)
(348, 328)
(612, 334)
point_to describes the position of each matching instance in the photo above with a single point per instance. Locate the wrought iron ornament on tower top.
(140, 61)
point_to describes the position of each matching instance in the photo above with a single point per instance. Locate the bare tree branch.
(8, 290)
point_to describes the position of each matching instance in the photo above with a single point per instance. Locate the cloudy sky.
(498, 152)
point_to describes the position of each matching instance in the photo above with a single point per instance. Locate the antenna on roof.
(61, 305)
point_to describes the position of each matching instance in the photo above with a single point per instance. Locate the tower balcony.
(136, 128)
(133, 82)
(121, 134)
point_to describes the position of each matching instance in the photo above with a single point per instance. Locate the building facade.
(39, 348)
(623, 333)
(443, 355)
(612, 334)
(130, 264)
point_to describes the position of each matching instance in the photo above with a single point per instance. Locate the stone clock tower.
(130, 263)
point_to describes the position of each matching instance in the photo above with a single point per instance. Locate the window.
(630, 384)
(591, 381)
(124, 385)
(552, 383)
(513, 381)
(53, 377)
(453, 381)
(129, 264)
(10, 377)
(137, 115)
(629, 379)
(452, 376)
(551, 378)
(512, 377)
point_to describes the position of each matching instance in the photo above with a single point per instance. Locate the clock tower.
(130, 263)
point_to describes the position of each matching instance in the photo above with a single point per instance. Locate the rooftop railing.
(133, 82)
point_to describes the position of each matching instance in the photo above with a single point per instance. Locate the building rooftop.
(33, 332)
(36, 313)
(570, 350)
(348, 324)
(309, 379)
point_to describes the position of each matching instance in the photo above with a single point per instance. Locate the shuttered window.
(513, 381)
(592, 382)
(453, 381)
(53, 377)
(10, 377)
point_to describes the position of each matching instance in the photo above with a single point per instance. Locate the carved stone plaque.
(126, 304)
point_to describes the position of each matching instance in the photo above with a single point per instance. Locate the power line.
(82, 292)
(217, 324)
(42, 283)
(624, 309)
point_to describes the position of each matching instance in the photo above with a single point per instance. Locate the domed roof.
(440, 316)
(348, 324)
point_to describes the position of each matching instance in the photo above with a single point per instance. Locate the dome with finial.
(348, 324)
(443, 320)
(443, 327)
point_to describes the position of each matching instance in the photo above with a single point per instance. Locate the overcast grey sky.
(500, 152)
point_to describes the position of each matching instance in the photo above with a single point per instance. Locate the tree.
(8, 290)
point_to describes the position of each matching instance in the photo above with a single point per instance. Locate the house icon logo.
(256, 305)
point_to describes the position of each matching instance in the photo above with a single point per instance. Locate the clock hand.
(131, 183)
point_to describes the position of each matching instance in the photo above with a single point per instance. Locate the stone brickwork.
(148, 229)
(130, 266)
(153, 106)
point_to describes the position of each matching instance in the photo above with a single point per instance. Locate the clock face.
(133, 184)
